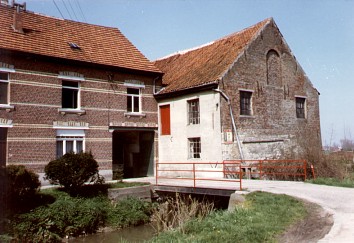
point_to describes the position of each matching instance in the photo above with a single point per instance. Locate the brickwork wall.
(35, 93)
(272, 131)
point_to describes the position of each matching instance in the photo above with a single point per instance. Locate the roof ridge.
(182, 52)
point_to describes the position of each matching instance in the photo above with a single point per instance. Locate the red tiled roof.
(205, 64)
(50, 36)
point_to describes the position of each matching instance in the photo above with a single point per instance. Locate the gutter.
(232, 119)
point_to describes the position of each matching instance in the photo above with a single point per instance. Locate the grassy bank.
(346, 182)
(260, 219)
(55, 214)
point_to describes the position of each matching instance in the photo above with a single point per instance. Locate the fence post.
(194, 174)
(313, 172)
(156, 172)
(240, 178)
(260, 169)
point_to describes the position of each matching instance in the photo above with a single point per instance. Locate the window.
(133, 100)
(300, 107)
(193, 111)
(194, 147)
(4, 88)
(70, 95)
(245, 103)
(70, 141)
(69, 144)
(165, 120)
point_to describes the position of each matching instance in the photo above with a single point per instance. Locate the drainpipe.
(232, 119)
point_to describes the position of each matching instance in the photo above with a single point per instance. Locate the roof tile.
(205, 64)
(50, 36)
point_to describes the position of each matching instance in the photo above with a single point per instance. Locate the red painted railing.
(197, 172)
(229, 171)
(271, 169)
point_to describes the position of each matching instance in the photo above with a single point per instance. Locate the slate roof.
(205, 64)
(49, 36)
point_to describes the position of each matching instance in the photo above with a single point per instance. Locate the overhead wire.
(72, 9)
(82, 13)
(67, 10)
(58, 9)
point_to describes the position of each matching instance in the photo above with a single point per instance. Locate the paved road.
(336, 200)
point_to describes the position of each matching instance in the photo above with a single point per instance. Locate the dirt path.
(335, 201)
(312, 228)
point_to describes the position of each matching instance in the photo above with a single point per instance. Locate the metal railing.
(270, 169)
(201, 174)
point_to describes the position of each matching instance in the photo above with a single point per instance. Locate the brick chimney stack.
(18, 24)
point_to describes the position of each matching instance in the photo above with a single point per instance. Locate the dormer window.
(74, 46)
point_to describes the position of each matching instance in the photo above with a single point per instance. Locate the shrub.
(65, 217)
(73, 170)
(18, 183)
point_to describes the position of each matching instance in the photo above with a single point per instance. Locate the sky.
(320, 34)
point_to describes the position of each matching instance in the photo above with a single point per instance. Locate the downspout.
(232, 120)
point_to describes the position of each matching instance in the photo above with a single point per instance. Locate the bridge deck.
(204, 187)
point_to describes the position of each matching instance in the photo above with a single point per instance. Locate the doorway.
(133, 153)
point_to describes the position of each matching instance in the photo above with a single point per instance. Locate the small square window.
(133, 100)
(300, 107)
(245, 103)
(70, 95)
(193, 111)
(194, 147)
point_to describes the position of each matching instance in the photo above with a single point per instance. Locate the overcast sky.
(320, 34)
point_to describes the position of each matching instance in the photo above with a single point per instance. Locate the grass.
(260, 219)
(57, 214)
(346, 182)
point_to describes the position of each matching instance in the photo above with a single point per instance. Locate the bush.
(73, 170)
(75, 216)
(18, 184)
(65, 217)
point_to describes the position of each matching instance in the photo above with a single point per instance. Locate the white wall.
(174, 147)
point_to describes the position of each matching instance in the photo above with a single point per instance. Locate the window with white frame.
(193, 111)
(194, 147)
(70, 95)
(70, 141)
(4, 88)
(133, 100)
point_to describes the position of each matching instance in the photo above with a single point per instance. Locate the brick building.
(71, 86)
(242, 96)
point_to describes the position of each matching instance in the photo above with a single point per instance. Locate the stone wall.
(273, 129)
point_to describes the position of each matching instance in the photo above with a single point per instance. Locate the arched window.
(273, 68)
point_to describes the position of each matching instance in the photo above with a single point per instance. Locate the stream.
(132, 234)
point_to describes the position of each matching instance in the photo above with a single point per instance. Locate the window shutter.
(165, 120)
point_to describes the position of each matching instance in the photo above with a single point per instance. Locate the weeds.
(175, 212)
(260, 219)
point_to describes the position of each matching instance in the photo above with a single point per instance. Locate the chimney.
(4, 2)
(18, 24)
